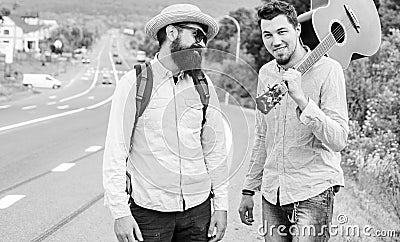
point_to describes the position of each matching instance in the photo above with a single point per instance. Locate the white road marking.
(228, 135)
(96, 75)
(63, 167)
(100, 103)
(93, 148)
(17, 125)
(5, 106)
(91, 97)
(51, 103)
(29, 107)
(63, 107)
(9, 200)
(53, 97)
(70, 82)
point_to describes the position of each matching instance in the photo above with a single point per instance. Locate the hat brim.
(164, 19)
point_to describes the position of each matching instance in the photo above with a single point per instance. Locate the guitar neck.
(322, 48)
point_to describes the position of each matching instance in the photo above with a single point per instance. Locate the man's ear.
(172, 32)
(298, 29)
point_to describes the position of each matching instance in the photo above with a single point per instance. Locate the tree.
(301, 6)
(5, 12)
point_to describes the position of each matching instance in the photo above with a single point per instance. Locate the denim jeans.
(307, 220)
(189, 225)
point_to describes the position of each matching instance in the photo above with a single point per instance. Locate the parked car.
(141, 56)
(40, 80)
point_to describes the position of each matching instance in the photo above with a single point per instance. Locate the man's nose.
(276, 40)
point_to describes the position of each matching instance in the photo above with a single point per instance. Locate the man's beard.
(186, 58)
(286, 58)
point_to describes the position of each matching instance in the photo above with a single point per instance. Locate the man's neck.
(164, 56)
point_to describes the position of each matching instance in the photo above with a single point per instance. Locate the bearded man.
(178, 162)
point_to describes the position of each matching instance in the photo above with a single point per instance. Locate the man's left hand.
(219, 222)
(293, 79)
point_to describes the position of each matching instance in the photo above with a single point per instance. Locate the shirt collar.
(161, 71)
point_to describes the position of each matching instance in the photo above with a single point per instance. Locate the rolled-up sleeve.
(329, 120)
(214, 149)
(121, 119)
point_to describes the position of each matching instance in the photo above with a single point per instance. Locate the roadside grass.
(362, 212)
(11, 87)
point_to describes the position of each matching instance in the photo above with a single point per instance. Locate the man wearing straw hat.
(178, 161)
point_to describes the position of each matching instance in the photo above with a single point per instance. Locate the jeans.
(307, 220)
(189, 225)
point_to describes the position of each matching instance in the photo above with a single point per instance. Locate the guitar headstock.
(268, 100)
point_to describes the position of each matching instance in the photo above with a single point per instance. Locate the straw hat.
(181, 13)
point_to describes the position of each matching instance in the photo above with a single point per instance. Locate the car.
(118, 61)
(115, 54)
(40, 80)
(141, 56)
(85, 60)
(106, 79)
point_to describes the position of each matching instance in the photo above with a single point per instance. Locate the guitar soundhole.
(338, 32)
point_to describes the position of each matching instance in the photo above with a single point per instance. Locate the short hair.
(274, 8)
(162, 34)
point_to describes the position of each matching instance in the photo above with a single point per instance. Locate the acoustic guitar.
(343, 29)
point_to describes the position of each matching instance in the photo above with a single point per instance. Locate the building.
(23, 33)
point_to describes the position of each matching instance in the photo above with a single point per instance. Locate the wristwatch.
(248, 192)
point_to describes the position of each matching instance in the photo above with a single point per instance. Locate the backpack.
(144, 86)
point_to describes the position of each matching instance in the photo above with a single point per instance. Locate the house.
(23, 33)
(11, 38)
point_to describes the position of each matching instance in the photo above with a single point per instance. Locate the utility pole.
(238, 35)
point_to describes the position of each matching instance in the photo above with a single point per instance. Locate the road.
(51, 156)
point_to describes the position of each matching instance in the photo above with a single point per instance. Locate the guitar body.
(357, 42)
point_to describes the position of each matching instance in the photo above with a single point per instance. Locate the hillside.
(137, 9)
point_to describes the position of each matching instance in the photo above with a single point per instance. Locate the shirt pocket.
(153, 115)
(192, 115)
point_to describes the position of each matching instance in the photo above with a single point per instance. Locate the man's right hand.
(246, 209)
(125, 227)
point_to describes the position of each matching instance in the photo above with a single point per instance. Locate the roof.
(27, 28)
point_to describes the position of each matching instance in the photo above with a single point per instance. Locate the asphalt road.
(51, 156)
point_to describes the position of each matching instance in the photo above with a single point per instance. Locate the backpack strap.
(201, 85)
(144, 86)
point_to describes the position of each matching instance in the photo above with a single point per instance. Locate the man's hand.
(293, 79)
(125, 227)
(218, 221)
(246, 209)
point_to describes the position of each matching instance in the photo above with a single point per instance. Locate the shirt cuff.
(220, 202)
(120, 211)
(310, 114)
(117, 211)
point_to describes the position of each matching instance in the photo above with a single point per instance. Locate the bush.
(372, 155)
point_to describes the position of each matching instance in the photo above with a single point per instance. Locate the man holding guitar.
(295, 161)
